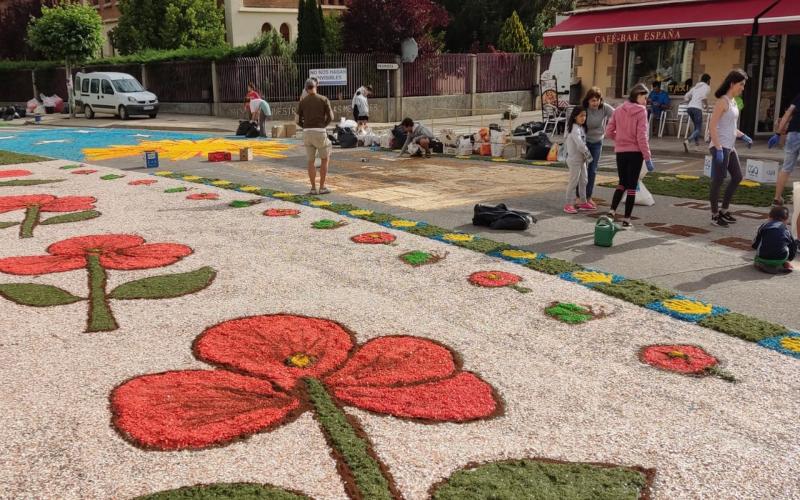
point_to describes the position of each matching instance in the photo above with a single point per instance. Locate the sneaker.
(611, 215)
(570, 209)
(730, 219)
(626, 224)
(593, 204)
(427, 154)
(716, 220)
(686, 146)
(788, 267)
(586, 207)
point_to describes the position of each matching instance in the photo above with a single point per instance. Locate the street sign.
(329, 77)
(388, 66)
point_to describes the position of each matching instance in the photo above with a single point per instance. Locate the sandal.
(324, 190)
(313, 191)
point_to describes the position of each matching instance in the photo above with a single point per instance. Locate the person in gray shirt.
(597, 115)
(416, 133)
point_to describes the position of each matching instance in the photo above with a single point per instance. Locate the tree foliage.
(310, 28)
(380, 25)
(69, 32)
(14, 22)
(513, 37)
(333, 34)
(168, 24)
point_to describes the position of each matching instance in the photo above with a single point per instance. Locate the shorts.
(792, 150)
(317, 142)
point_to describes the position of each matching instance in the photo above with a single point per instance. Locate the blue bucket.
(151, 159)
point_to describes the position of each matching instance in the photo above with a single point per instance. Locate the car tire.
(153, 115)
(88, 112)
(123, 113)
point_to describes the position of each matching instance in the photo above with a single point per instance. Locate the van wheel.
(123, 113)
(88, 112)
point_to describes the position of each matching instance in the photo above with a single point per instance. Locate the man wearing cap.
(314, 114)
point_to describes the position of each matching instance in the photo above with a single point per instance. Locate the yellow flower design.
(282, 195)
(320, 203)
(164, 173)
(403, 223)
(360, 213)
(191, 177)
(687, 177)
(749, 184)
(456, 237)
(519, 254)
(183, 149)
(685, 306)
(592, 277)
(221, 183)
(499, 159)
(249, 189)
(462, 157)
(791, 344)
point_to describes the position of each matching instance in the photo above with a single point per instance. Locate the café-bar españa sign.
(639, 36)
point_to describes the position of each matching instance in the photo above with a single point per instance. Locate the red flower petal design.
(142, 182)
(105, 243)
(281, 212)
(389, 361)
(41, 264)
(281, 348)
(203, 196)
(494, 279)
(14, 173)
(686, 359)
(145, 256)
(83, 172)
(70, 204)
(196, 408)
(376, 238)
(456, 399)
(11, 203)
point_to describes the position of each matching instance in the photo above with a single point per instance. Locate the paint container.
(151, 159)
(246, 154)
(37, 118)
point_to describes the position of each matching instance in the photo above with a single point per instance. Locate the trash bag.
(346, 137)
(464, 147)
(253, 132)
(398, 137)
(437, 146)
(244, 126)
(501, 217)
(538, 146)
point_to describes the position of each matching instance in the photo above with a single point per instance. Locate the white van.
(561, 69)
(113, 93)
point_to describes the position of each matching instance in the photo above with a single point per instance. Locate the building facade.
(618, 43)
(247, 19)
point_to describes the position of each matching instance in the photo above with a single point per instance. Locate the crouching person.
(774, 244)
(416, 133)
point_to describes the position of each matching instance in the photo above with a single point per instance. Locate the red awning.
(782, 19)
(659, 21)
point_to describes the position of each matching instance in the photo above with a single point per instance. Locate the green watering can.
(604, 231)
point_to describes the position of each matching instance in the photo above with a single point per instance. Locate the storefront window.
(667, 62)
(768, 91)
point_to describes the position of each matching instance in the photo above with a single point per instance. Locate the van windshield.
(127, 85)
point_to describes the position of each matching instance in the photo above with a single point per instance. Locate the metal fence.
(181, 81)
(505, 72)
(444, 74)
(281, 79)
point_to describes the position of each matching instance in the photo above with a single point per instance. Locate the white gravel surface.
(573, 393)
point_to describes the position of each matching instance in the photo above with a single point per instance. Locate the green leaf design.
(72, 217)
(32, 294)
(111, 177)
(232, 491)
(4, 225)
(543, 480)
(567, 312)
(166, 286)
(29, 182)
(176, 190)
(69, 167)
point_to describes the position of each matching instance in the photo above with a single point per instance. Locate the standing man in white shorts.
(314, 114)
(790, 125)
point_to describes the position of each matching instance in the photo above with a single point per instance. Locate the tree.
(380, 25)
(69, 32)
(310, 28)
(14, 20)
(513, 37)
(333, 34)
(546, 19)
(168, 24)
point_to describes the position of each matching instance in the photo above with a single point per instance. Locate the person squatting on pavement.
(628, 129)
(774, 244)
(789, 125)
(724, 158)
(314, 114)
(416, 133)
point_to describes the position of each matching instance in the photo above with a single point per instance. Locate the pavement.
(672, 244)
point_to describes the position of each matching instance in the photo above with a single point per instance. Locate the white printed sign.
(761, 171)
(329, 77)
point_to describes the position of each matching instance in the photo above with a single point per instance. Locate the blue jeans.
(696, 116)
(595, 148)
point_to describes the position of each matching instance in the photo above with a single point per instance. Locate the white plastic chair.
(683, 114)
(552, 117)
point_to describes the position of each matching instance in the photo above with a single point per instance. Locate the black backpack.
(398, 137)
(346, 137)
(501, 217)
(244, 126)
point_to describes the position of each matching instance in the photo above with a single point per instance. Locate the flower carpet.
(167, 336)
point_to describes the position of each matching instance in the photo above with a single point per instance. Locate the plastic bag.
(553, 154)
(385, 140)
(31, 105)
(448, 137)
(413, 148)
(562, 154)
(643, 195)
(498, 142)
(464, 147)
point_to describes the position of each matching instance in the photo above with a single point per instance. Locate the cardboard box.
(762, 171)
(246, 154)
(290, 130)
(218, 156)
(278, 131)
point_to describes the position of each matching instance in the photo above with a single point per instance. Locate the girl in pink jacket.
(628, 129)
